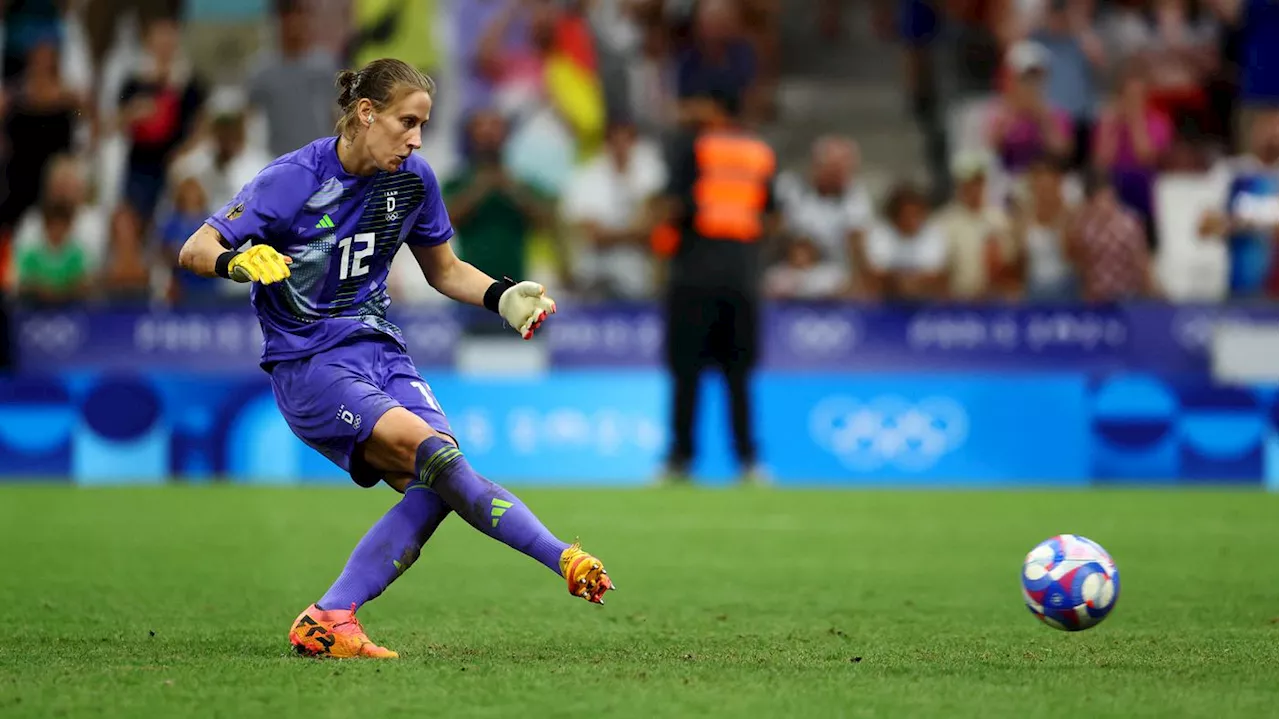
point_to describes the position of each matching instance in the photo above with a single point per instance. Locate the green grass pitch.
(175, 602)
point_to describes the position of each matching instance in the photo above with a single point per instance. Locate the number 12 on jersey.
(353, 262)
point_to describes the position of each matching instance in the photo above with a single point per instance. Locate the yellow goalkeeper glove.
(260, 263)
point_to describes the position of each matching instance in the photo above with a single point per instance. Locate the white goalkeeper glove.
(525, 307)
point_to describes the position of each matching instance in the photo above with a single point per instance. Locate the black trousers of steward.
(711, 328)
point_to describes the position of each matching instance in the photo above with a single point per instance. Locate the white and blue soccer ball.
(1070, 582)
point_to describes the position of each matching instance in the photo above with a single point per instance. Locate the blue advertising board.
(848, 395)
(575, 427)
(1162, 339)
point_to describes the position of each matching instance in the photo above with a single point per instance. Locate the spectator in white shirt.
(1041, 218)
(907, 253)
(607, 204)
(829, 208)
(224, 162)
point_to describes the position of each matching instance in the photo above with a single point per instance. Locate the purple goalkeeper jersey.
(342, 231)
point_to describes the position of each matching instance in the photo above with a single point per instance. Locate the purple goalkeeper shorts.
(332, 399)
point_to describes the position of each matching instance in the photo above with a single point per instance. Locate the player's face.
(397, 131)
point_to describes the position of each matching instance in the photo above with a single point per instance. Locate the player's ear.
(364, 111)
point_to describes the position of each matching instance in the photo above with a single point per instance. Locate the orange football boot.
(585, 575)
(334, 633)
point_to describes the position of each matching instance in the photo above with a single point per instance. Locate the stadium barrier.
(847, 396)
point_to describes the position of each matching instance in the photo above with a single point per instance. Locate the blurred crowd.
(1048, 123)
(1051, 126)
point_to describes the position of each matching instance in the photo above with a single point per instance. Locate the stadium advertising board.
(609, 428)
(1149, 337)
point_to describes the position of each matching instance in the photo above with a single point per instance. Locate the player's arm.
(199, 254)
(205, 253)
(524, 305)
(452, 277)
(261, 210)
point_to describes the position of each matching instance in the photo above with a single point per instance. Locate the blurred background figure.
(27, 26)
(718, 61)
(906, 251)
(159, 108)
(537, 61)
(219, 157)
(126, 273)
(1044, 269)
(1109, 242)
(647, 85)
(493, 212)
(977, 233)
(292, 84)
(189, 210)
(828, 207)
(1178, 49)
(1076, 65)
(1251, 47)
(1024, 124)
(66, 185)
(721, 202)
(608, 203)
(1249, 220)
(804, 273)
(39, 123)
(53, 271)
(1132, 139)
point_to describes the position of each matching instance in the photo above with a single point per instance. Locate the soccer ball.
(1070, 582)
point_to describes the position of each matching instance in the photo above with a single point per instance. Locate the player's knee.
(405, 448)
(393, 446)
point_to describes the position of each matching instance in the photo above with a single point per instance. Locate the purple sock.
(485, 505)
(389, 548)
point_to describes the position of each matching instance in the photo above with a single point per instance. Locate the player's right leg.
(403, 441)
(329, 627)
(329, 402)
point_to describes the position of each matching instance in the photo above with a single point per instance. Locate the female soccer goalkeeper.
(322, 225)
